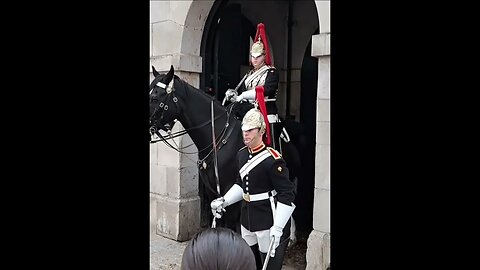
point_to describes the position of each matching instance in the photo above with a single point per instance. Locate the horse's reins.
(200, 163)
(181, 132)
(185, 131)
(214, 147)
(163, 104)
(215, 159)
(170, 90)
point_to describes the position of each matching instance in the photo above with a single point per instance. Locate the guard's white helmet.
(253, 119)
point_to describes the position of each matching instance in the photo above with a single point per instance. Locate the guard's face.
(257, 61)
(252, 137)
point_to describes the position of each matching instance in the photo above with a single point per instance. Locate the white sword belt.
(258, 197)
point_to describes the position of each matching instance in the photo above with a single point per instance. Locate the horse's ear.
(155, 72)
(169, 75)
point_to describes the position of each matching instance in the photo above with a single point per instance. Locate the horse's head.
(164, 109)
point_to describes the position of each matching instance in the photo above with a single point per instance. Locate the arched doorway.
(228, 31)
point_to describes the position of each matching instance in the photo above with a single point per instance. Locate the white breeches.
(260, 237)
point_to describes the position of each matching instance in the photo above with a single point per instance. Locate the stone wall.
(318, 244)
(176, 29)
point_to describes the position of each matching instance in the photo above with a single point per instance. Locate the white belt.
(258, 197)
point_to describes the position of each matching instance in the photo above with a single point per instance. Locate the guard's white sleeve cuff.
(283, 213)
(249, 95)
(233, 195)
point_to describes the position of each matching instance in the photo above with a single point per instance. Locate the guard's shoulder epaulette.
(275, 154)
(242, 148)
(271, 67)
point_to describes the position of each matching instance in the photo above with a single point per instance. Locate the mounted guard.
(261, 84)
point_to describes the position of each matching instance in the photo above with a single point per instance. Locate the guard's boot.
(262, 256)
(258, 259)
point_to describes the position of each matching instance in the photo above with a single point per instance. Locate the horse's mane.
(202, 93)
(239, 108)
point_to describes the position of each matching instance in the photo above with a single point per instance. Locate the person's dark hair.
(218, 249)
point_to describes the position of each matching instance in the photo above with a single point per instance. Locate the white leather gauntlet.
(283, 213)
(231, 95)
(217, 207)
(233, 195)
(248, 95)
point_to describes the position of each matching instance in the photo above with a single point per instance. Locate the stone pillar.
(318, 244)
(174, 200)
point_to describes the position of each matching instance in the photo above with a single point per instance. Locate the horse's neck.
(197, 112)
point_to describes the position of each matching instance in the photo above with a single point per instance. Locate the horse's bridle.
(162, 107)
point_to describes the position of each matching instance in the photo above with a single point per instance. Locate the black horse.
(174, 99)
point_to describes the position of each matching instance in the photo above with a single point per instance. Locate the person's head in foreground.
(218, 249)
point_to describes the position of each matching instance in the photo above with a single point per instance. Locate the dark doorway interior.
(306, 141)
(227, 50)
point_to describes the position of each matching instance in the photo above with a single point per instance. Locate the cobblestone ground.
(167, 254)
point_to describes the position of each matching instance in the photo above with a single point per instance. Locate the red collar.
(256, 149)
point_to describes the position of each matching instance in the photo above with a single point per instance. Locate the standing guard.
(263, 184)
